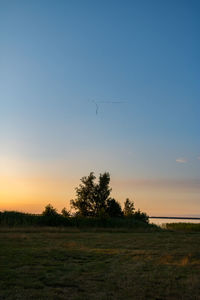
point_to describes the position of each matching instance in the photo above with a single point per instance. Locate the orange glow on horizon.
(33, 194)
(155, 198)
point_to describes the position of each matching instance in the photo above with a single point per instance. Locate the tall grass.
(185, 227)
(13, 219)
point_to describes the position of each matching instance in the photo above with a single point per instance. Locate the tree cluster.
(94, 200)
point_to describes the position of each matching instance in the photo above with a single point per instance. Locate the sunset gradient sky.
(59, 57)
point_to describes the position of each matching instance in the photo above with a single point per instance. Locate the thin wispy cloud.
(181, 160)
(198, 157)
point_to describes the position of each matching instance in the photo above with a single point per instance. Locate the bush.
(113, 209)
(50, 211)
(65, 213)
(141, 216)
(128, 208)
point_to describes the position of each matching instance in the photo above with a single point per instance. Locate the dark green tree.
(113, 209)
(128, 208)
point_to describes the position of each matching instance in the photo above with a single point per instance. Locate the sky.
(138, 61)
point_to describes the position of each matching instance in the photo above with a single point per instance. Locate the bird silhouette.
(105, 102)
(97, 108)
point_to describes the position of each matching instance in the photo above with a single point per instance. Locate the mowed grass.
(54, 263)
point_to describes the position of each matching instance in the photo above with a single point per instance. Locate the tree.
(128, 208)
(91, 197)
(65, 213)
(141, 216)
(113, 208)
(50, 211)
(93, 200)
(102, 193)
(85, 196)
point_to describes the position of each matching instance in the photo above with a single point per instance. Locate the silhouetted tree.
(113, 208)
(85, 196)
(65, 213)
(128, 208)
(102, 194)
(50, 211)
(141, 216)
(91, 198)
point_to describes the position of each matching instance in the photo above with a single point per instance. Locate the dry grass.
(65, 263)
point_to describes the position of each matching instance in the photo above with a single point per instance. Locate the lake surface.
(161, 221)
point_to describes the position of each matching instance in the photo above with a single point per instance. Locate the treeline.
(14, 219)
(92, 206)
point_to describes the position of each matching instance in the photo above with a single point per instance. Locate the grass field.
(56, 263)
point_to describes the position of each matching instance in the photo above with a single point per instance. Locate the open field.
(66, 263)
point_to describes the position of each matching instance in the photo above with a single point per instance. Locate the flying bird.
(97, 108)
(105, 102)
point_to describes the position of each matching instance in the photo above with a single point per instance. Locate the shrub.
(113, 209)
(50, 211)
(141, 216)
(128, 208)
(65, 213)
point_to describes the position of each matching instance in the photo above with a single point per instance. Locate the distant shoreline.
(177, 218)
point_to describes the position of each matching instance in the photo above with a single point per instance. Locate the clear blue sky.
(56, 56)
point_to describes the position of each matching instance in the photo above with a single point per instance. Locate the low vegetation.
(16, 219)
(184, 227)
(71, 263)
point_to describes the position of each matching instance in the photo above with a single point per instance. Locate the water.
(161, 221)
